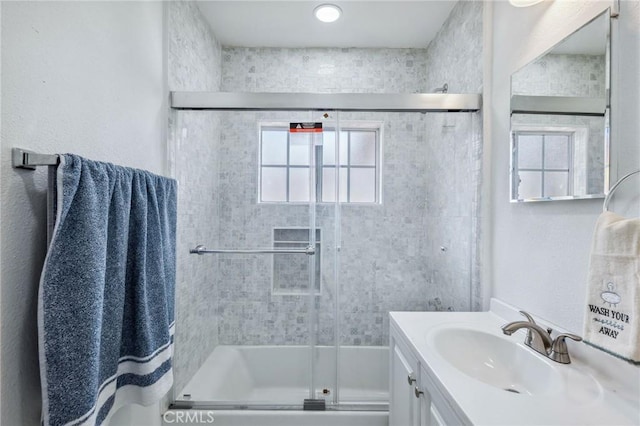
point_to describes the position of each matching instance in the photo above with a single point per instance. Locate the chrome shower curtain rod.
(380, 102)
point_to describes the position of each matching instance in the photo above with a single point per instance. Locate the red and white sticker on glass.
(305, 127)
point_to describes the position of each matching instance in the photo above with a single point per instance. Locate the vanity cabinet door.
(403, 405)
(435, 409)
(434, 417)
(425, 404)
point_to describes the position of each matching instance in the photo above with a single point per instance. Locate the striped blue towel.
(106, 300)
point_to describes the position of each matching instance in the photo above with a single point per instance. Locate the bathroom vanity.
(458, 368)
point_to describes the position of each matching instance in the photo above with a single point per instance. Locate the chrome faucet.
(540, 340)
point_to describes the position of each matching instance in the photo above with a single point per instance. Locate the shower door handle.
(200, 249)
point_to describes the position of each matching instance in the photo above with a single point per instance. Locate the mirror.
(560, 119)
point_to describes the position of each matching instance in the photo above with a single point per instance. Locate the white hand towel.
(612, 320)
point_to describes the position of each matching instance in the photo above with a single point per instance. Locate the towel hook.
(605, 206)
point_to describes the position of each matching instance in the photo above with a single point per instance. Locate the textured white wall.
(541, 250)
(81, 77)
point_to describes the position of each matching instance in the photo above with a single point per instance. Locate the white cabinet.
(434, 417)
(414, 399)
(430, 414)
(403, 410)
(409, 403)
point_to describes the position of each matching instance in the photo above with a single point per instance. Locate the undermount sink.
(496, 361)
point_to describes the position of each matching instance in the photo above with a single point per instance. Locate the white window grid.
(345, 164)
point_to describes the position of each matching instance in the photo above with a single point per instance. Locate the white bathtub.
(278, 375)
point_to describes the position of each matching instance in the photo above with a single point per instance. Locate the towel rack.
(29, 160)
(203, 250)
(25, 159)
(605, 206)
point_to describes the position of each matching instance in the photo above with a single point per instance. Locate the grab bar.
(310, 251)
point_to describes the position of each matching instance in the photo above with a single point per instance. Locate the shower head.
(443, 89)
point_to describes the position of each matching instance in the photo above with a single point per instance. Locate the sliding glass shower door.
(313, 226)
(266, 258)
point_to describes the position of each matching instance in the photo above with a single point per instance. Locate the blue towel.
(106, 300)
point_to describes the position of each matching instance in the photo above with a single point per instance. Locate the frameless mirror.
(560, 119)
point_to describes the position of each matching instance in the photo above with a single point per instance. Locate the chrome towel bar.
(200, 249)
(25, 159)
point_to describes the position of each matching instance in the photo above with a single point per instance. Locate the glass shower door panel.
(391, 257)
(364, 216)
(257, 350)
(323, 320)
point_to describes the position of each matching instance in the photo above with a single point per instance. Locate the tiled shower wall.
(330, 70)
(382, 267)
(454, 56)
(390, 257)
(454, 153)
(194, 64)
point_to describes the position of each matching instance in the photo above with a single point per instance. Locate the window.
(543, 163)
(285, 165)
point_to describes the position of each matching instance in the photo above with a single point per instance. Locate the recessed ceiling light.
(327, 12)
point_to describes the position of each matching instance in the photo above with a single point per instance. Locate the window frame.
(543, 170)
(288, 166)
(579, 158)
(375, 127)
(349, 130)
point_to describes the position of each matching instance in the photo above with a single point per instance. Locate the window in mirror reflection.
(570, 146)
(543, 164)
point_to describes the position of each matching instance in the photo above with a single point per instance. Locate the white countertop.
(612, 396)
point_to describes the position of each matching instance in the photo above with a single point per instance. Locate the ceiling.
(395, 24)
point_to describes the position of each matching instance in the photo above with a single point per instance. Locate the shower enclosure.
(329, 212)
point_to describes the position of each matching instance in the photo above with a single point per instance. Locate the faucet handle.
(559, 351)
(560, 338)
